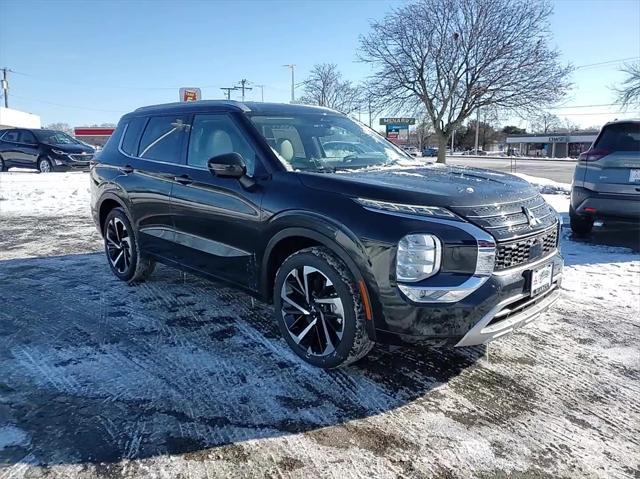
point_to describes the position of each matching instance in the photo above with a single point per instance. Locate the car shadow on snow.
(95, 371)
(613, 243)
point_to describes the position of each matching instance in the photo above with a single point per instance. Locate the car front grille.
(522, 251)
(510, 220)
(85, 158)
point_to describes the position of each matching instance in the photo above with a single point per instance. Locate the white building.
(10, 118)
(552, 145)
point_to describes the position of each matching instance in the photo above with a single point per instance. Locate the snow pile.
(545, 185)
(46, 194)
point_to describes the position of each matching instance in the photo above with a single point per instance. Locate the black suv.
(353, 246)
(45, 150)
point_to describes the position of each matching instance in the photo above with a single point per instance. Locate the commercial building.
(555, 145)
(96, 136)
(10, 118)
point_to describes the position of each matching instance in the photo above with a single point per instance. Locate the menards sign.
(398, 121)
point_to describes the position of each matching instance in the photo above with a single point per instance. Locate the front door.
(29, 150)
(217, 220)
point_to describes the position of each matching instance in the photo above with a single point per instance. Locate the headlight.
(418, 257)
(406, 209)
(58, 152)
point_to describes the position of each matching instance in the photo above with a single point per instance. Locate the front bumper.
(502, 304)
(509, 315)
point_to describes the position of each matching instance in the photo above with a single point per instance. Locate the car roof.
(231, 105)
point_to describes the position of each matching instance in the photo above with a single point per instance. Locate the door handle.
(127, 169)
(183, 179)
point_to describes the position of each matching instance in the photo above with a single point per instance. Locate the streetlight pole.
(261, 92)
(292, 66)
(477, 128)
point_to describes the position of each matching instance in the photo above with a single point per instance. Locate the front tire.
(580, 225)
(45, 165)
(3, 167)
(121, 248)
(319, 309)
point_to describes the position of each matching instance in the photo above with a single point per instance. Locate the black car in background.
(44, 150)
(352, 245)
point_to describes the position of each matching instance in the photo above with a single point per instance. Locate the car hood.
(74, 149)
(432, 185)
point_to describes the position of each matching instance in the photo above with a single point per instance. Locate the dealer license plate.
(634, 176)
(541, 279)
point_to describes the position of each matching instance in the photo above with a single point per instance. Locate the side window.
(213, 135)
(131, 138)
(11, 135)
(162, 138)
(27, 137)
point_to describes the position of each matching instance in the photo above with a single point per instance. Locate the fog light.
(418, 257)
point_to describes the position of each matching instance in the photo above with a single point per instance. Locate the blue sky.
(89, 62)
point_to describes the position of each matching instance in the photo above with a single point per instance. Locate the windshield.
(325, 142)
(55, 137)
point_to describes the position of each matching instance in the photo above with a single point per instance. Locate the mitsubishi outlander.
(352, 240)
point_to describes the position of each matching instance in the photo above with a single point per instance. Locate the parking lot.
(180, 377)
(556, 170)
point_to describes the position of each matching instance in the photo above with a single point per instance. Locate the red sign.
(190, 94)
(90, 131)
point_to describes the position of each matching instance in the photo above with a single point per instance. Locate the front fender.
(327, 232)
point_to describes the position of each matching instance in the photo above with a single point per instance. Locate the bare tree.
(64, 127)
(629, 91)
(325, 87)
(447, 58)
(545, 123)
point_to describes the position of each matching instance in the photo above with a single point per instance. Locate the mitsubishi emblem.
(531, 218)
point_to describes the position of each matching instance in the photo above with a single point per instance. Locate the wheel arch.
(290, 239)
(107, 203)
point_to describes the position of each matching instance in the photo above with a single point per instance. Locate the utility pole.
(453, 136)
(228, 91)
(293, 95)
(261, 92)
(369, 105)
(243, 86)
(477, 128)
(5, 87)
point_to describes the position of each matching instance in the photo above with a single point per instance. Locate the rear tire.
(580, 225)
(328, 330)
(121, 248)
(45, 165)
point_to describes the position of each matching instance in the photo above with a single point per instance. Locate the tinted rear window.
(619, 137)
(131, 138)
(163, 138)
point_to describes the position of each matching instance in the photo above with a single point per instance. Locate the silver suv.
(606, 183)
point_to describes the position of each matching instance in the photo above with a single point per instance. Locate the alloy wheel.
(45, 166)
(118, 243)
(312, 310)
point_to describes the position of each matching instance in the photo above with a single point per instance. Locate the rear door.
(217, 220)
(617, 171)
(153, 147)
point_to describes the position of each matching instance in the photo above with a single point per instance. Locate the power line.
(243, 86)
(606, 62)
(228, 91)
(68, 106)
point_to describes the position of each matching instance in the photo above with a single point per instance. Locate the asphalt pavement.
(557, 170)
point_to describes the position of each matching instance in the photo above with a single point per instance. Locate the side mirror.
(227, 165)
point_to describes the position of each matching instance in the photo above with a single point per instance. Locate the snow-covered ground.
(180, 377)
